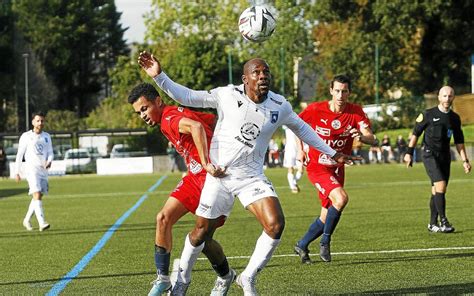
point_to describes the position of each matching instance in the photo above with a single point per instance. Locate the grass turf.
(381, 245)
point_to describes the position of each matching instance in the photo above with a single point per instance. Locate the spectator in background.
(387, 147)
(401, 147)
(375, 154)
(356, 150)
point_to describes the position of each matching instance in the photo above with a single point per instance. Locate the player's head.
(37, 121)
(340, 89)
(446, 97)
(256, 78)
(147, 103)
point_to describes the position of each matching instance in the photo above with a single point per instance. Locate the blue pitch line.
(74, 272)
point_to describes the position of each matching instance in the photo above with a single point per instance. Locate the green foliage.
(420, 44)
(63, 120)
(76, 41)
(193, 41)
(114, 111)
(7, 115)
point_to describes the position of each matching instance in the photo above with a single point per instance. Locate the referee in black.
(439, 123)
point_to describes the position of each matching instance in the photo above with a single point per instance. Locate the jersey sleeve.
(49, 149)
(20, 153)
(421, 123)
(186, 96)
(458, 135)
(304, 131)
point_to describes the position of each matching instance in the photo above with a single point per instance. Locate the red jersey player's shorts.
(188, 192)
(325, 179)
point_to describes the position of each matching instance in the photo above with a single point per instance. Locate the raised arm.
(179, 93)
(197, 131)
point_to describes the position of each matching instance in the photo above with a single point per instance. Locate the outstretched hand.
(149, 63)
(346, 159)
(215, 171)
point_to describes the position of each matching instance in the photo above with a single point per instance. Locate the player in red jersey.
(190, 133)
(337, 122)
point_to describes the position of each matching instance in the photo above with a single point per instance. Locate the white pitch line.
(366, 252)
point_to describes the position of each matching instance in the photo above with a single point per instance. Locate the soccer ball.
(256, 24)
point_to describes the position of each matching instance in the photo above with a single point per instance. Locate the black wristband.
(410, 150)
(466, 161)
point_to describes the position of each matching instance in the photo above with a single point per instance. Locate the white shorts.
(37, 184)
(218, 194)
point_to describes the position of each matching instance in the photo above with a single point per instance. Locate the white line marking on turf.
(77, 269)
(367, 252)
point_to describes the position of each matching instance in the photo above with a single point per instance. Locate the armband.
(410, 150)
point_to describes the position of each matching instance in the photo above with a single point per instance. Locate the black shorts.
(437, 165)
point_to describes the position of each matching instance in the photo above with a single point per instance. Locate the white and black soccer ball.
(256, 24)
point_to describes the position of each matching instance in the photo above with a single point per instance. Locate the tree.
(76, 41)
(193, 40)
(7, 104)
(63, 120)
(420, 44)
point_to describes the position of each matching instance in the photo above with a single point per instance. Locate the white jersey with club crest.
(244, 128)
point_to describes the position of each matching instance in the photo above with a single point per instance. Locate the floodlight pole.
(229, 64)
(282, 71)
(377, 99)
(25, 56)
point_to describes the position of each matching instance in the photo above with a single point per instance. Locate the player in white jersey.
(36, 147)
(248, 115)
(295, 167)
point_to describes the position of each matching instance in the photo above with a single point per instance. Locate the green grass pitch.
(381, 245)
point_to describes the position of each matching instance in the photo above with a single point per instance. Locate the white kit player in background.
(248, 115)
(295, 167)
(36, 147)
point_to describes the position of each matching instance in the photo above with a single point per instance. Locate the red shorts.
(325, 179)
(188, 192)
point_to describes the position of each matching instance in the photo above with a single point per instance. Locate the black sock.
(222, 269)
(440, 203)
(162, 260)
(434, 212)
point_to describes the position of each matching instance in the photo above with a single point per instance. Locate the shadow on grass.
(454, 289)
(12, 191)
(408, 258)
(51, 282)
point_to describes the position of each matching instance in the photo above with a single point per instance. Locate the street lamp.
(25, 55)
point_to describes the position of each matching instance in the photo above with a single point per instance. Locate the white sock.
(261, 255)
(31, 210)
(298, 175)
(188, 259)
(291, 180)
(38, 206)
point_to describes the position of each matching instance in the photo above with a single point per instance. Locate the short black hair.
(37, 113)
(342, 78)
(146, 90)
